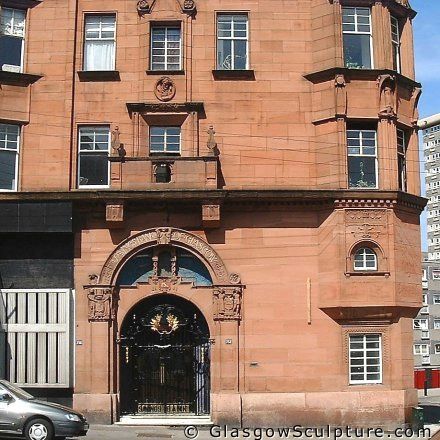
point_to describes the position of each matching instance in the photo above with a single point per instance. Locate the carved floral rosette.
(228, 303)
(101, 306)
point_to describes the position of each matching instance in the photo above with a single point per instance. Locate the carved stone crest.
(189, 6)
(101, 304)
(165, 89)
(228, 303)
(164, 285)
(163, 235)
(145, 6)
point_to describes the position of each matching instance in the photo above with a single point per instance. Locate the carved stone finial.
(212, 143)
(165, 89)
(117, 146)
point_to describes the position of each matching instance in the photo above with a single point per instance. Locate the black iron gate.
(165, 359)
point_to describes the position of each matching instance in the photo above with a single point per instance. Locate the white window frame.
(361, 149)
(165, 137)
(401, 156)
(22, 37)
(16, 151)
(364, 267)
(364, 351)
(232, 38)
(436, 273)
(436, 299)
(357, 32)
(166, 48)
(436, 324)
(421, 349)
(420, 324)
(100, 38)
(395, 40)
(80, 152)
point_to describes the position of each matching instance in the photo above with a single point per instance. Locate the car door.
(8, 415)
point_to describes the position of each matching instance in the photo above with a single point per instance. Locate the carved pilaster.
(227, 303)
(102, 304)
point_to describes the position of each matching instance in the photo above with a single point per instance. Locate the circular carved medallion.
(165, 89)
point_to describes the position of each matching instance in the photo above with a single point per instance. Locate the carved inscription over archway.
(163, 236)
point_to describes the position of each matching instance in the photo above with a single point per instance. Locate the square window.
(93, 163)
(165, 140)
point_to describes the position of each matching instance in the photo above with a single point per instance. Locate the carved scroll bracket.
(102, 303)
(228, 303)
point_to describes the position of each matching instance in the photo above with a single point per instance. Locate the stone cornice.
(359, 74)
(165, 107)
(333, 199)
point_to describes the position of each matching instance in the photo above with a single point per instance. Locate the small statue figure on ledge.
(117, 146)
(212, 143)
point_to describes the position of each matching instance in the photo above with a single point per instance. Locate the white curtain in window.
(99, 55)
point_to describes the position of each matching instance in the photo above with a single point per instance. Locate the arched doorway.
(165, 358)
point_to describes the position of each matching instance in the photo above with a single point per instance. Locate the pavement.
(101, 432)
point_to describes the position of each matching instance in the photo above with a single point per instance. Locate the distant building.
(427, 323)
(431, 147)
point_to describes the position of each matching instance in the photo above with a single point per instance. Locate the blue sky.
(427, 52)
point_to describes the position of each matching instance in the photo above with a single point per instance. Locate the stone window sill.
(234, 75)
(18, 79)
(165, 72)
(374, 273)
(98, 75)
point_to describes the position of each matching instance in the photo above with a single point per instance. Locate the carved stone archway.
(227, 287)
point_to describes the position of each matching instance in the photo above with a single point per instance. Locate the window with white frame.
(362, 158)
(437, 348)
(365, 259)
(436, 324)
(99, 42)
(395, 39)
(12, 36)
(166, 48)
(93, 163)
(436, 274)
(421, 349)
(9, 150)
(424, 299)
(165, 140)
(401, 158)
(365, 358)
(358, 46)
(436, 299)
(420, 324)
(232, 42)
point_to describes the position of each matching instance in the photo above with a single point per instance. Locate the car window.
(16, 390)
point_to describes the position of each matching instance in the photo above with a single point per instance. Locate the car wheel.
(38, 429)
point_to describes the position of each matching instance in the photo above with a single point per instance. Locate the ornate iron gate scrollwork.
(165, 359)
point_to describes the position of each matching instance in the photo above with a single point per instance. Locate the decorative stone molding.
(114, 212)
(117, 146)
(211, 216)
(415, 97)
(163, 236)
(164, 284)
(367, 223)
(211, 144)
(340, 95)
(189, 7)
(227, 303)
(364, 203)
(165, 89)
(387, 96)
(102, 304)
(146, 6)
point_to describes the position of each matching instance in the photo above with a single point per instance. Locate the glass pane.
(357, 53)
(357, 377)
(356, 338)
(8, 161)
(99, 55)
(240, 54)
(93, 169)
(224, 55)
(10, 51)
(362, 172)
(357, 362)
(157, 131)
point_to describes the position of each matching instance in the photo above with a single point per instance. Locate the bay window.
(357, 35)
(93, 163)
(232, 42)
(9, 149)
(362, 158)
(12, 37)
(99, 42)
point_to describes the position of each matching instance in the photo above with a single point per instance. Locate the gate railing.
(36, 337)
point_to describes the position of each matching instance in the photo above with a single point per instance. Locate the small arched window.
(365, 259)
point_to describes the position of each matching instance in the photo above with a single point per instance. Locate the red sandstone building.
(211, 208)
